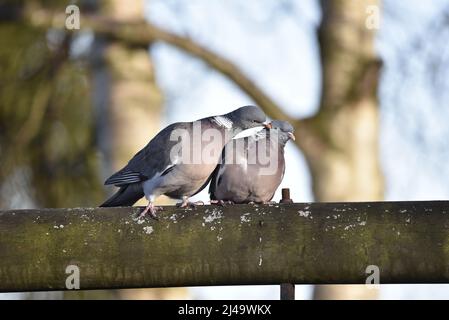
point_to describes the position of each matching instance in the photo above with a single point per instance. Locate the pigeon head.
(285, 130)
(246, 117)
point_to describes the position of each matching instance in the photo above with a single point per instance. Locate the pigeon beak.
(292, 136)
(268, 125)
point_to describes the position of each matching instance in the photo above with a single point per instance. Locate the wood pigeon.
(253, 167)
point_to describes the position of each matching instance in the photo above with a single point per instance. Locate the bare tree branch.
(144, 33)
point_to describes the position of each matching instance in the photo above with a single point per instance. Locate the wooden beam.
(316, 243)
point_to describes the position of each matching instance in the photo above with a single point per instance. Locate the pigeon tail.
(126, 196)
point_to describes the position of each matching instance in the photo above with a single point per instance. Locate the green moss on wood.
(241, 244)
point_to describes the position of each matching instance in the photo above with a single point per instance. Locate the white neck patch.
(252, 132)
(223, 122)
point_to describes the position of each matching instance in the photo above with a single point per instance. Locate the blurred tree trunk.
(345, 165)
(128, 101)
(129, 107)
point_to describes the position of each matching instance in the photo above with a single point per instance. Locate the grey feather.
(125, 196)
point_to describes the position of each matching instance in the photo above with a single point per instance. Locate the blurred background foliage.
(47, 142)
(76, 105)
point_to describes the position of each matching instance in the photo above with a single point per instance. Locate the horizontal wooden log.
(314, 243)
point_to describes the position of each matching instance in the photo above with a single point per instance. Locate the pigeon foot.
(151, 210)
(187, 204)
(221, 203)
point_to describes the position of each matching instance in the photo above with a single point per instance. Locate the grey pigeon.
(253, 167)
(179, 160)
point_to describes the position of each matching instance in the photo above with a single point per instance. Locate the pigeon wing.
(154, 158)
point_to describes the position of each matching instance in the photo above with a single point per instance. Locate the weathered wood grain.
(319, 243)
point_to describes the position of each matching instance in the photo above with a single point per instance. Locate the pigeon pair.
(181, 160)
